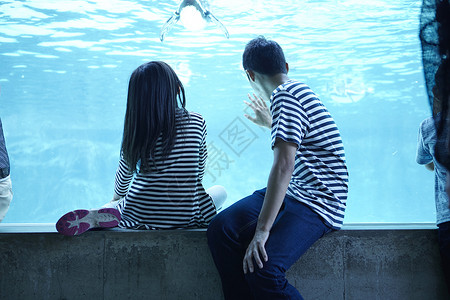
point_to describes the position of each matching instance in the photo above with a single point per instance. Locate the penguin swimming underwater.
(200, 6)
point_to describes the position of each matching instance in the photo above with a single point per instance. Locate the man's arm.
(279, 178)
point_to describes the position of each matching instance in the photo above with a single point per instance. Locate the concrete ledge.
(112, 264)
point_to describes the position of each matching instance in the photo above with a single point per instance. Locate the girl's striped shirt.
(172, 194)
(320, 177)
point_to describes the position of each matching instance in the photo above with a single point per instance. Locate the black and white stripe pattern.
(172, 194)
(320, 177)
(4, 158)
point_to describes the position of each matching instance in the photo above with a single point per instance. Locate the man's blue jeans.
(295, 229)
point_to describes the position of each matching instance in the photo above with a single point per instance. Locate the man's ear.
(250, 75)
(287, 68)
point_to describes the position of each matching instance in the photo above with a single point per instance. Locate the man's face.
(253, 83)
(254, 86)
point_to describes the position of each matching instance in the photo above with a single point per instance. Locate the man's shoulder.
(427, 127)
(290, 86)
(295, 90)
(427, 122)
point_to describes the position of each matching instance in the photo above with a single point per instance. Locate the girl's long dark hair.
(151, 112)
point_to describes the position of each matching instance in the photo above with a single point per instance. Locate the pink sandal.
(78, 221)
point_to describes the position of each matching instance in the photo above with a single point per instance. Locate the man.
(5, 181)
(425, 156)
(427, 146)
(254, 241)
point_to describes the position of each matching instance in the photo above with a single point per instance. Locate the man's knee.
(269, 279)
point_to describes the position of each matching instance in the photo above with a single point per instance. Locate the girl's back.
(170, 194)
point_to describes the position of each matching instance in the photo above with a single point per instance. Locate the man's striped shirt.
(172, 194)
(320, 177)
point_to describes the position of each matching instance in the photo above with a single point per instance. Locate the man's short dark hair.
(264, 56)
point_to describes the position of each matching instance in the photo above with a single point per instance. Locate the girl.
(158, 183)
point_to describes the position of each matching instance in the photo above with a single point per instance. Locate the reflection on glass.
(64, 73)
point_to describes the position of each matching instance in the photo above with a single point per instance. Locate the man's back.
(320, 177)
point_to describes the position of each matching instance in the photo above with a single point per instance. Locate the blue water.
(64, 69)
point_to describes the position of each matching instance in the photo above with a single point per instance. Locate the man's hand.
(256, 251)
(262, 114)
